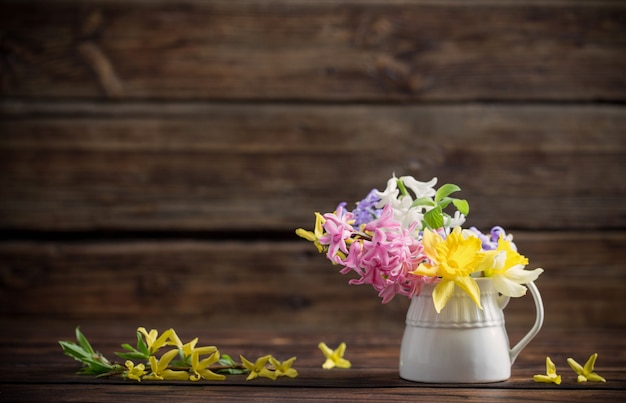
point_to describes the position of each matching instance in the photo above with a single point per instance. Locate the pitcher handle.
(514, 352)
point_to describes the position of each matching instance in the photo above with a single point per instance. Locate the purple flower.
(366, 210)
(490, 242)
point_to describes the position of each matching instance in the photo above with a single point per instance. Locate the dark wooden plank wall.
(156, 157)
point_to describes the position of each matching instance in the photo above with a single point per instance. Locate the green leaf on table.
(134, 353)
(93, 362)
(83, 342)
(96, 366)
(226, 361)
(232, 371)
(128, 347)
(73, 350)
(141, 345)
(132, 356)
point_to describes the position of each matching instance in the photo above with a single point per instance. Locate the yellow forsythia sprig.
(182, 362)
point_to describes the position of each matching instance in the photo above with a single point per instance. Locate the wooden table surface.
(33, 367)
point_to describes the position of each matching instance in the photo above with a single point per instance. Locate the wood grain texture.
(142, 393)
(288, 285)
(315, 51)
(220, 167)
(44, 371)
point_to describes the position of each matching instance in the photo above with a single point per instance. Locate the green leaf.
(462, 205)
(83, 342)
(116, 370)
(141, 345)
(445, 190)
(98, 363)
(423, 201)
(445, 202)
(74, 350)
(133, 353)
(232, 371)
(226, 360)
(132, 356)
(128, 347)
(93, 362)
(95, 368)
(434, 218)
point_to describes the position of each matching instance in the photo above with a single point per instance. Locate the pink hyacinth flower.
(338, 230)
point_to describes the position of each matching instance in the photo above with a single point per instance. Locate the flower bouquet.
(401, 238)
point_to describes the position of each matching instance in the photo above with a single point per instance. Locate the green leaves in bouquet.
(93, 362)
(445, 191)
(435, 217)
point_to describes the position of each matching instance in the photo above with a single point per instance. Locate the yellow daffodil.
(334, 358)
(135, 372)
(284, 368)
(550, 376)
(160, 370)
(200, 367)
(258, 368)
(317, 233)
(155, 342)
(586, 373)
(507, 270)
(453, 259)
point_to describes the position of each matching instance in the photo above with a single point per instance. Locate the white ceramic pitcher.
(462, 343)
